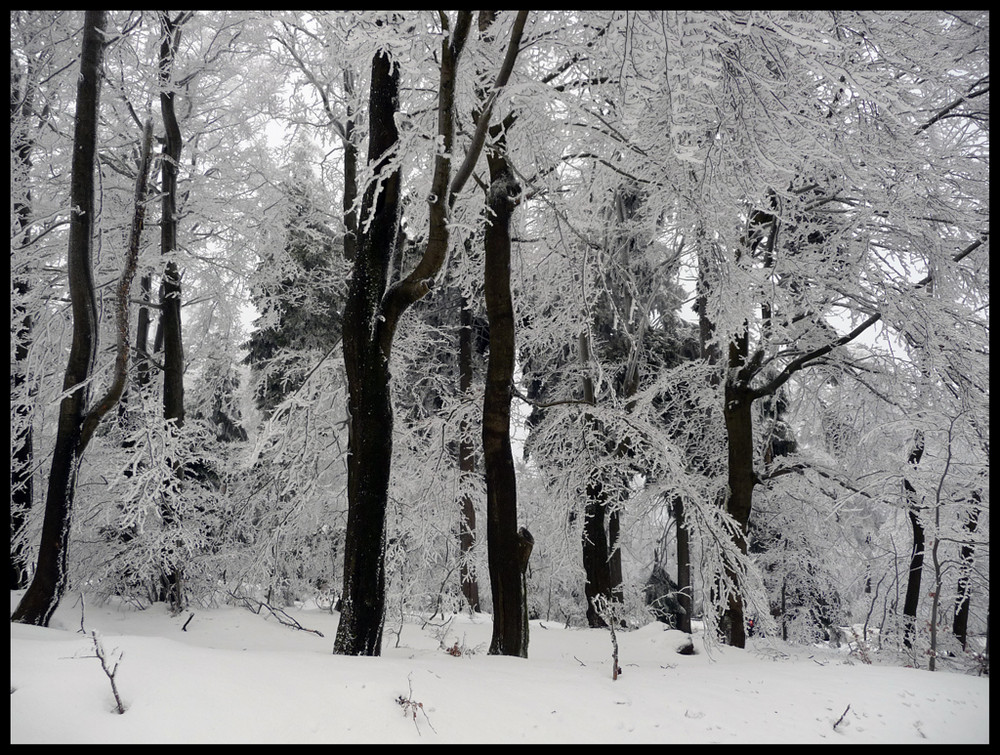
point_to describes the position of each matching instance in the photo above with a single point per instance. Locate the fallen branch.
(842, 716)
(281, 616)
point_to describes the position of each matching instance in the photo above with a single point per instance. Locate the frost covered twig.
(610, 611)
(281, 616)
(411, 706)
(109, 672)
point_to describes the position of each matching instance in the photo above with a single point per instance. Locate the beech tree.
(372, 314)
(77, 419)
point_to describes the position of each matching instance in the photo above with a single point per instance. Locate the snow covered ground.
(235, 676)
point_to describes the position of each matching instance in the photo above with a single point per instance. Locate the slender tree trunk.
(170, 290)
(684, 590)
(960, 627)
(912, 600)
(350, 176)
(49, 582)
(466, 461)
(509, 548)
(738, 414)
(372, 314)
(597, 544)
(369, 406)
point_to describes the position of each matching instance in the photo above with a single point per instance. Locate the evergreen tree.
(300, 293)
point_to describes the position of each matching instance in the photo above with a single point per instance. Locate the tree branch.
(803, 361)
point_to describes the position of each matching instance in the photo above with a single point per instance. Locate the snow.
(235, 676)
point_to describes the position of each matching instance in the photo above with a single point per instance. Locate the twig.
(611, 613)
(110, 673)
(81, 630)
(411, 706)
(281, 616)
(185, 627)
(842, 716)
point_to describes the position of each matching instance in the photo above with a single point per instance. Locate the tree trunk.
(739, 431)
(49, 582)
(466, 462)
(960, 627)
(372, 314)
(684, 590)
(369, 451)
(912, 600)
(508, 547)
(170, 289)
(601, 557)
(596, 563)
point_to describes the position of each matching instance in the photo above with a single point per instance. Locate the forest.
(592, 317)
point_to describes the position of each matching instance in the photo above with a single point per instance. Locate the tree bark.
(170, 289)
(684, 591)
(367, 364)
(466, 461)
(960, 626)
(912, 600)
(49, 582)
(738, 414)
(508, 547)
(373, 313)
(599, 562)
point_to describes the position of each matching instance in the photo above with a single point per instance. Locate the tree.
(372, 314)
(77, 420)
(509, 546)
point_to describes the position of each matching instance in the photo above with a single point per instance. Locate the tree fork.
(49, 581)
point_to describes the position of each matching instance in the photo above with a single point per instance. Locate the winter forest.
(599, 318)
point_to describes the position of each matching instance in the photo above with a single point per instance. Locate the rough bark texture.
(466, 461)
(683, 567)
(170, 289)
(739, 429)
(912, 600)
(370, 436)
(509, 548)
(49, 581)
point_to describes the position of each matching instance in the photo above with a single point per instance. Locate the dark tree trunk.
(738, 415)
(170, 289)
(350, 176)
(371, 316)
(596, 564)
(601, 557)
(466, 461)
(49, 582)
(684, 590)
(960, 627)
(509, 548)
(912, 600)
(369, 406)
